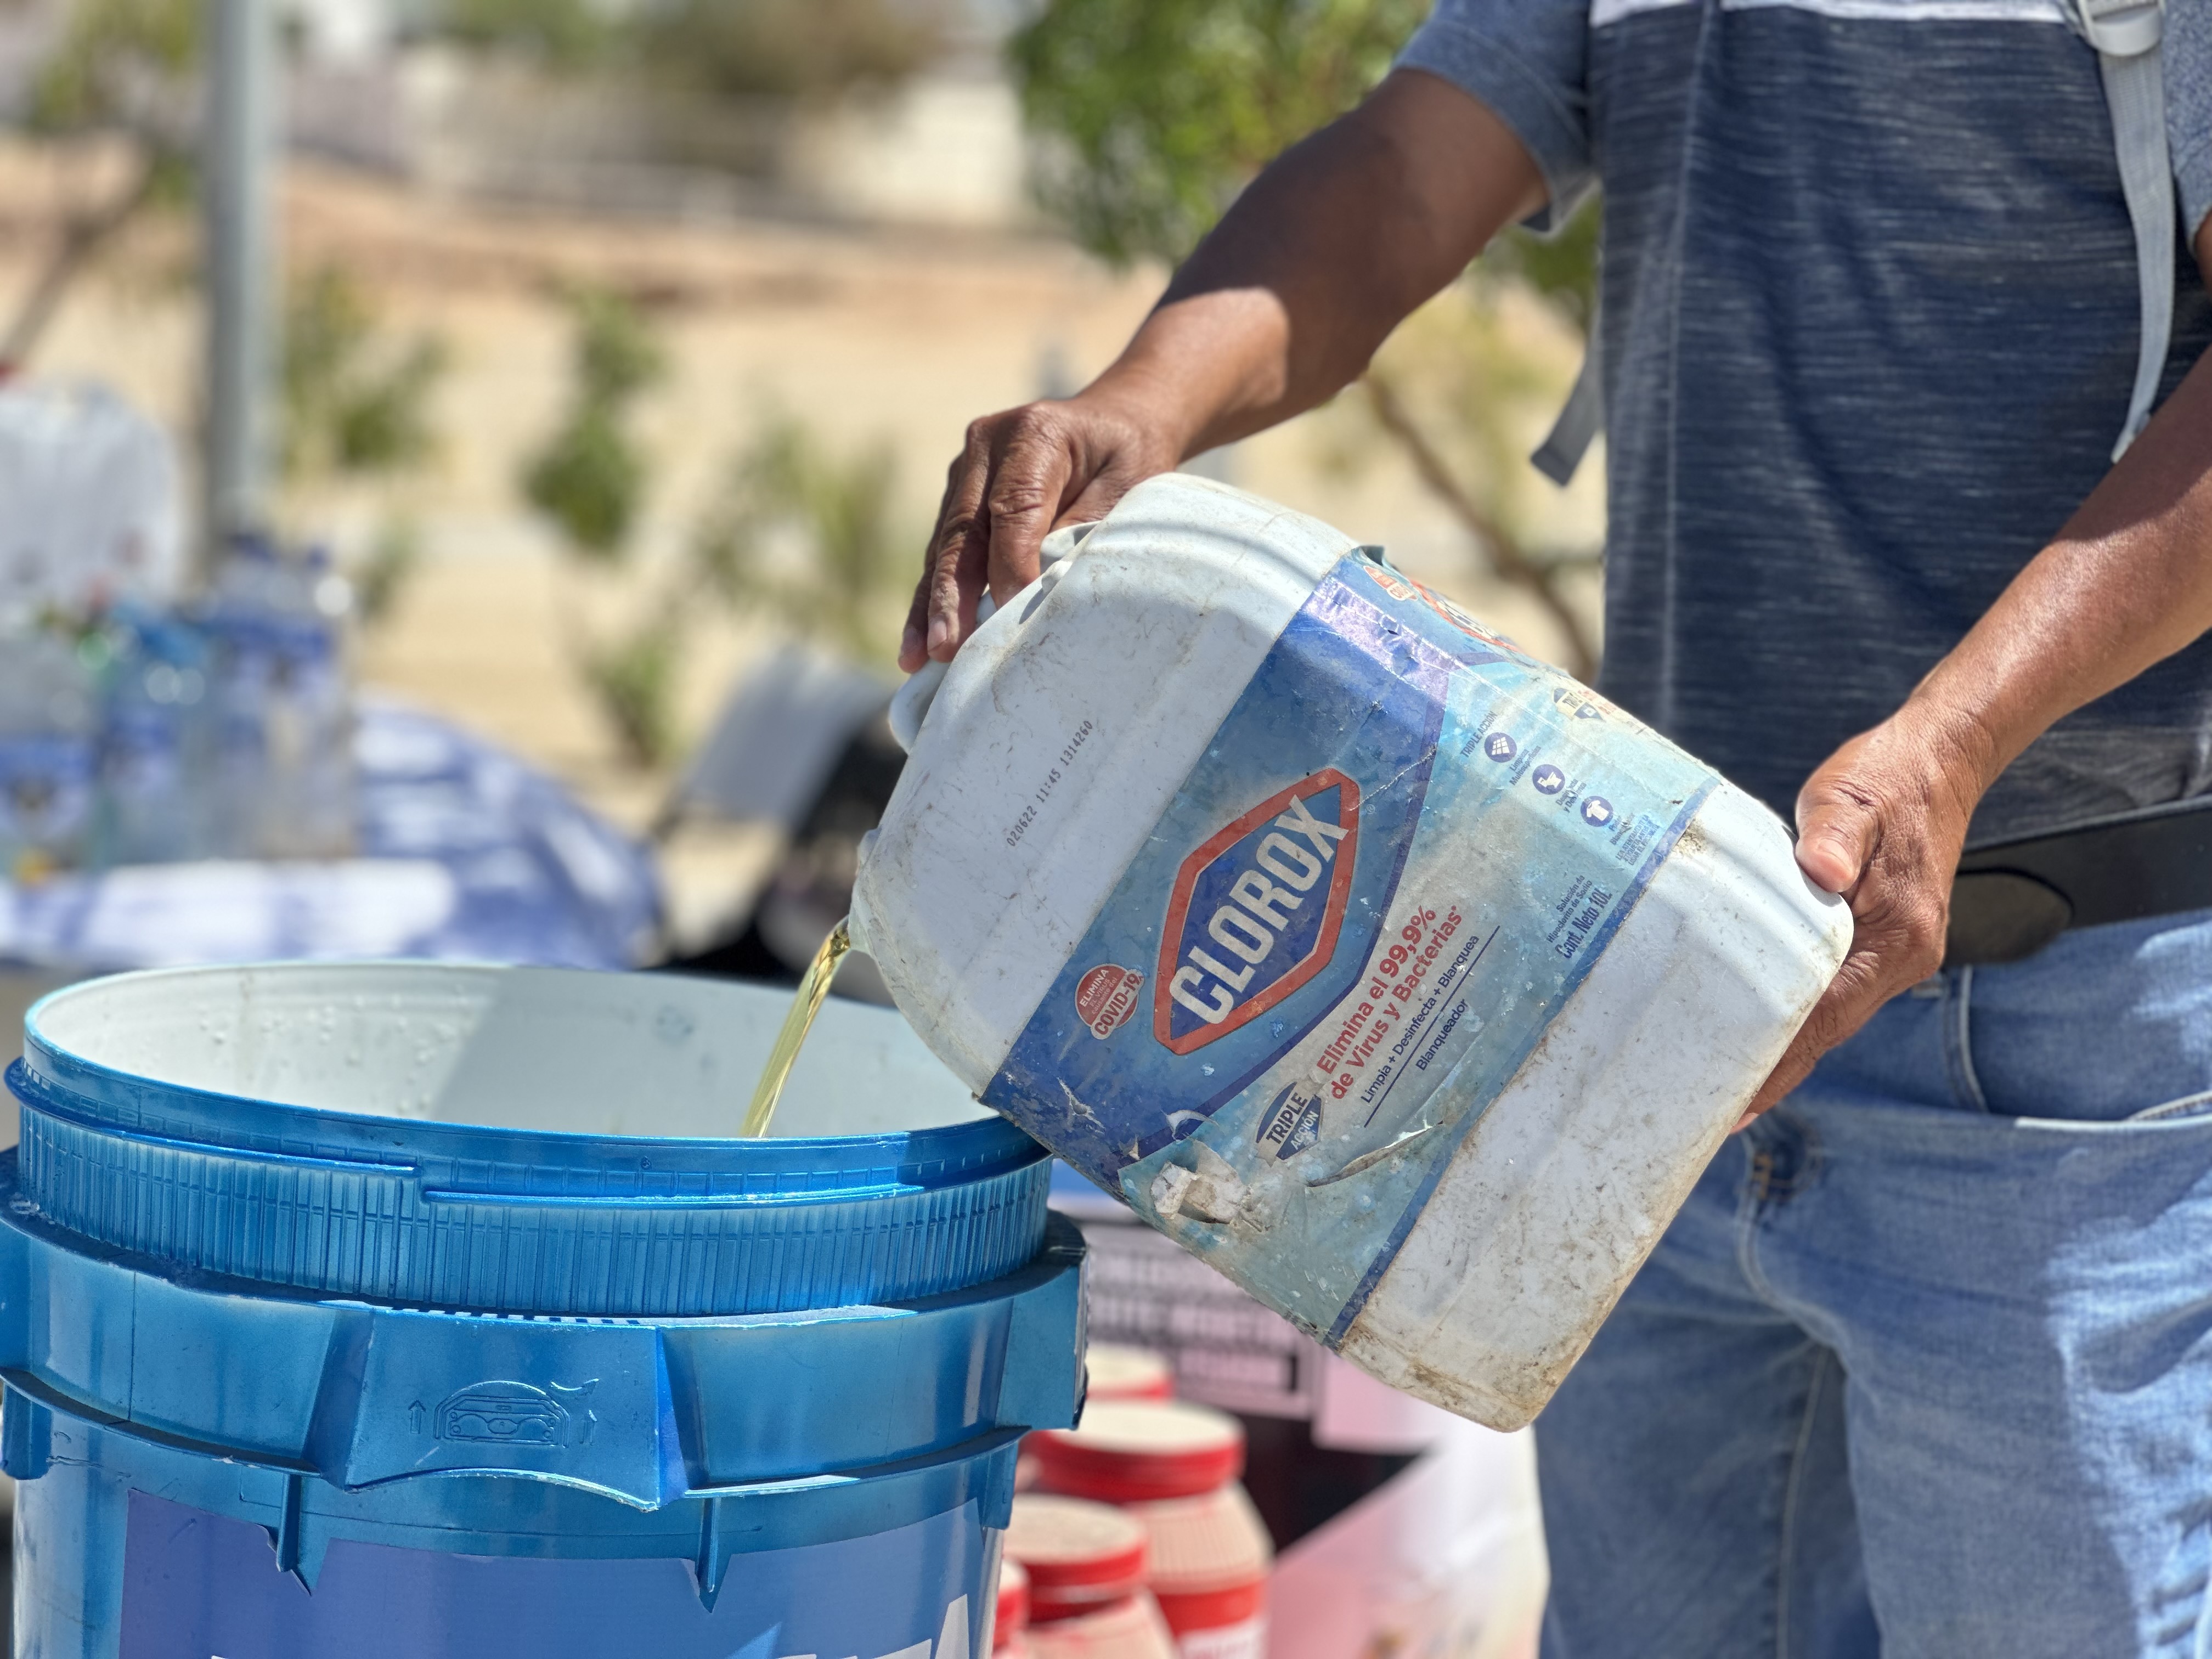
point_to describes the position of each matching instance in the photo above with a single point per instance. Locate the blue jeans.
(1924, 1369)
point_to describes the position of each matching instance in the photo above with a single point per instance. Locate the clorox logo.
(1255, 910)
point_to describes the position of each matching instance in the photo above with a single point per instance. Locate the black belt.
(2014, 897)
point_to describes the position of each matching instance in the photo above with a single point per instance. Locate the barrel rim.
(106, 1097)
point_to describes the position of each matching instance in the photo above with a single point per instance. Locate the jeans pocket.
(2181, 1111)
(2185, 1106)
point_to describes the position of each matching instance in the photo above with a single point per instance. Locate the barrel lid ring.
(460, 1215)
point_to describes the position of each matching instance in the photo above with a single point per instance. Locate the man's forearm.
(1320, 258)
(2126, 584)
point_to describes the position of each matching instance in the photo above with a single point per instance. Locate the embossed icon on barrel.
(504, 1414)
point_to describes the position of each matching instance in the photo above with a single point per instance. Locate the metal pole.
(241, 136)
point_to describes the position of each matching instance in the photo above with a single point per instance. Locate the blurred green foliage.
(590, 480)
(357, 401)
(633, 680)
(1561, 266)
(1167, 108)
(785, 48)
(1158, 112)
(590, 476)
(121, 67)
(719, 48)
(357, 405)
(118, 62)
(796, 531)
(854, 558)
(383, 573)
(618, 352)
(563, 34)
(1162, 111)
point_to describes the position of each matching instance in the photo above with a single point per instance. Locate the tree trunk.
(82, 238)
(1507, 557)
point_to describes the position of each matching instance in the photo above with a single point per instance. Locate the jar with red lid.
(1117, 1372)
(1173, 1467)
(1085, 1565)
(1014, 1612)
(1114, 1371)
(1127, 1628)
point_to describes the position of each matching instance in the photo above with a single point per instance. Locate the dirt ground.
(862, 333)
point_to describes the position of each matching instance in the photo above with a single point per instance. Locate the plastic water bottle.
(308, 710)
(157, 742)
(1394, 974)
(230, 617)
(48, 727)
(276, 630)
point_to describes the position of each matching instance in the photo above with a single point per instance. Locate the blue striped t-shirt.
(1870, 327)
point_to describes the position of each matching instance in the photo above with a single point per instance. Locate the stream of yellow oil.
(813, 986)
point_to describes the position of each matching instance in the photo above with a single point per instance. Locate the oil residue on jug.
(1398, 976)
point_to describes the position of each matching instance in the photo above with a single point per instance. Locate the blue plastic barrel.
(402, 1309)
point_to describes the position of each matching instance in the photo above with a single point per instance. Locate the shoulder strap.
(1581, 420)
(2126, 34)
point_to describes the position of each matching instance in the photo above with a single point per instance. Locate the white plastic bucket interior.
(504, 1048)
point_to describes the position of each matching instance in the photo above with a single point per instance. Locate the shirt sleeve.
(2188, 61)
(1527, 61)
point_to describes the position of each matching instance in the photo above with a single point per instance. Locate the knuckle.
(1033, 428)
(1016, 497)
(954, 532)
(1920, 937)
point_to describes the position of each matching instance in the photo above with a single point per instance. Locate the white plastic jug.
(1393, 972)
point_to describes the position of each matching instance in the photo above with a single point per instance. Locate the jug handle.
(910, 704)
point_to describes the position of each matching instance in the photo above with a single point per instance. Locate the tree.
(123, 68)
(357, 401)
(711, 48)
(590, 478)
(1165, 108)
(357, 405)
(562, 34)
(784, 48)
(1158, 112)
(590, 475)
(847, 588)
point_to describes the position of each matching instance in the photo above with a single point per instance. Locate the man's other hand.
(1882, 823)
(1020, 474)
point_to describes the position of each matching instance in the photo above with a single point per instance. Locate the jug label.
(203, 1586)
(1400, 855)
(1106, 997)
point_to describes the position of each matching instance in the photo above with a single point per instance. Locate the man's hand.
(1022, 474)
(1882, 823)
(2125, 584)
(1280, 309)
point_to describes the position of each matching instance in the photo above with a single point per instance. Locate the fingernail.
(910, 641)
(939, 631)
